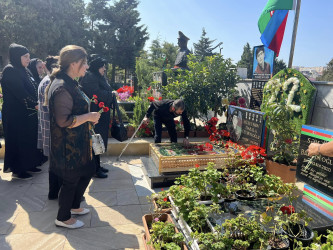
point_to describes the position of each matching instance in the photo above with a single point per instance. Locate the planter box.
(174, 209)
(147, 218)
(287, 173)
(168, 164)
(187, 233)
(164, 210)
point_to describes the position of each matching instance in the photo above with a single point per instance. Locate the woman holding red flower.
(96, 87)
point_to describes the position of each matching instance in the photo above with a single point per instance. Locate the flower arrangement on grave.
(287, 101)
(238, 101)
(291, 88)
(216, 135)
(125, 92)
(254, 154)
(146, 130)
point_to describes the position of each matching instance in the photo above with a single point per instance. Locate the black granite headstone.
(318, 173)
(246, 126)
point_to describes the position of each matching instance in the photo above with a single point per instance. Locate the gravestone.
(246, 126)
(256, 94)
(319, 172)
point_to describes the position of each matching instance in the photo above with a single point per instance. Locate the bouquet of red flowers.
(101, 105)
(215, 134)
(254, 154)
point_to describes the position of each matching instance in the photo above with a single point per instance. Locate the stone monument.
(181, 59)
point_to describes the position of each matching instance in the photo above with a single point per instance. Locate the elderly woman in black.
(70, 125)
(36, 67)
(94, 83)
(20, 115)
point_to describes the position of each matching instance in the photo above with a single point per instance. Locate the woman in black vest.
(19, 111)
(70, 124)
(94, 83)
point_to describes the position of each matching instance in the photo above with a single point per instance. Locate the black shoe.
(35, 170)
(22, 176)
(104, 170)
(100, 174)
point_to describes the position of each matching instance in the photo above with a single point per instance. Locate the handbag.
(118, 130)
(97, 143)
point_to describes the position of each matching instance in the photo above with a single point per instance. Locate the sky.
(234, 22)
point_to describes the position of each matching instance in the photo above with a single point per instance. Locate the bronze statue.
(181, 59)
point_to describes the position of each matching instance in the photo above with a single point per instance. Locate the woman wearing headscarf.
(70, 125)
(95, 83)
(19, 115)
(36, 67)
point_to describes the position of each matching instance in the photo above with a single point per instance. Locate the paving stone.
(38, 189)
(33, 222)
(100, 199)
(118, 215)
(102, 238)
(127, 197)
(143, 200)
(31, 203)
(33, 241)
(102, 185)
(147, 209)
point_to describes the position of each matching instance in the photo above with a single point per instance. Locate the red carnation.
(105, 109)
(233, 103)
(196, 165)
(149, 88)
(95, 101)
(162, 189)
(101, 104)
(165, 199)
(151, 99)
(160, 98)
(95, 96)
(288, 209)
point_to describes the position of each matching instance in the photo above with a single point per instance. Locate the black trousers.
(170, 125)
(55, 183)
(97, 160)
(74, 184)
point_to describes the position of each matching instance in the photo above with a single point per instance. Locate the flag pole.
(293, 40)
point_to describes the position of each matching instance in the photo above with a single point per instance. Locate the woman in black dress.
(94, 83)
(20, 115)
(70, 126)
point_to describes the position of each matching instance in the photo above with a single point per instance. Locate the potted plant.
(213, 241)
(161, 202)
(296, 227)
(271, 219)
(282, 158)
(245, 233)
(161, 233)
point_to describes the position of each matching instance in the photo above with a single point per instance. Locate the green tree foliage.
(44, 27)
(204, 85)
(123, 36)
(278, 65)
(328, 73)
(246, 60)
(204, 47)
(163, 55)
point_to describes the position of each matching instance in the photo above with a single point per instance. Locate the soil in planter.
(278, 243)
(245, 195)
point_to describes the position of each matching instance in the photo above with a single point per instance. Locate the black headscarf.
(15, 53)
(95, 63)
(33, 69)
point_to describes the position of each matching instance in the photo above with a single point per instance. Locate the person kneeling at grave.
(164, 112)
(325, 149)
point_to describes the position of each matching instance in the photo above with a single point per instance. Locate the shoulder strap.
(115, 106)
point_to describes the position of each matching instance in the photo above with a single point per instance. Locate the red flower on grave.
(233, 103)
(288, 209)
(162, 189)
(196, 166)
(149, 88)
(101, 104)
(165, 199)
(151, 99)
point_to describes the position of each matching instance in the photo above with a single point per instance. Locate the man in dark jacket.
(95, 83)
(164, 113)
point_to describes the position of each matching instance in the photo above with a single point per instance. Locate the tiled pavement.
(116, 203)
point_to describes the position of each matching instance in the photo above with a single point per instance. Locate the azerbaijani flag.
(272, 23)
